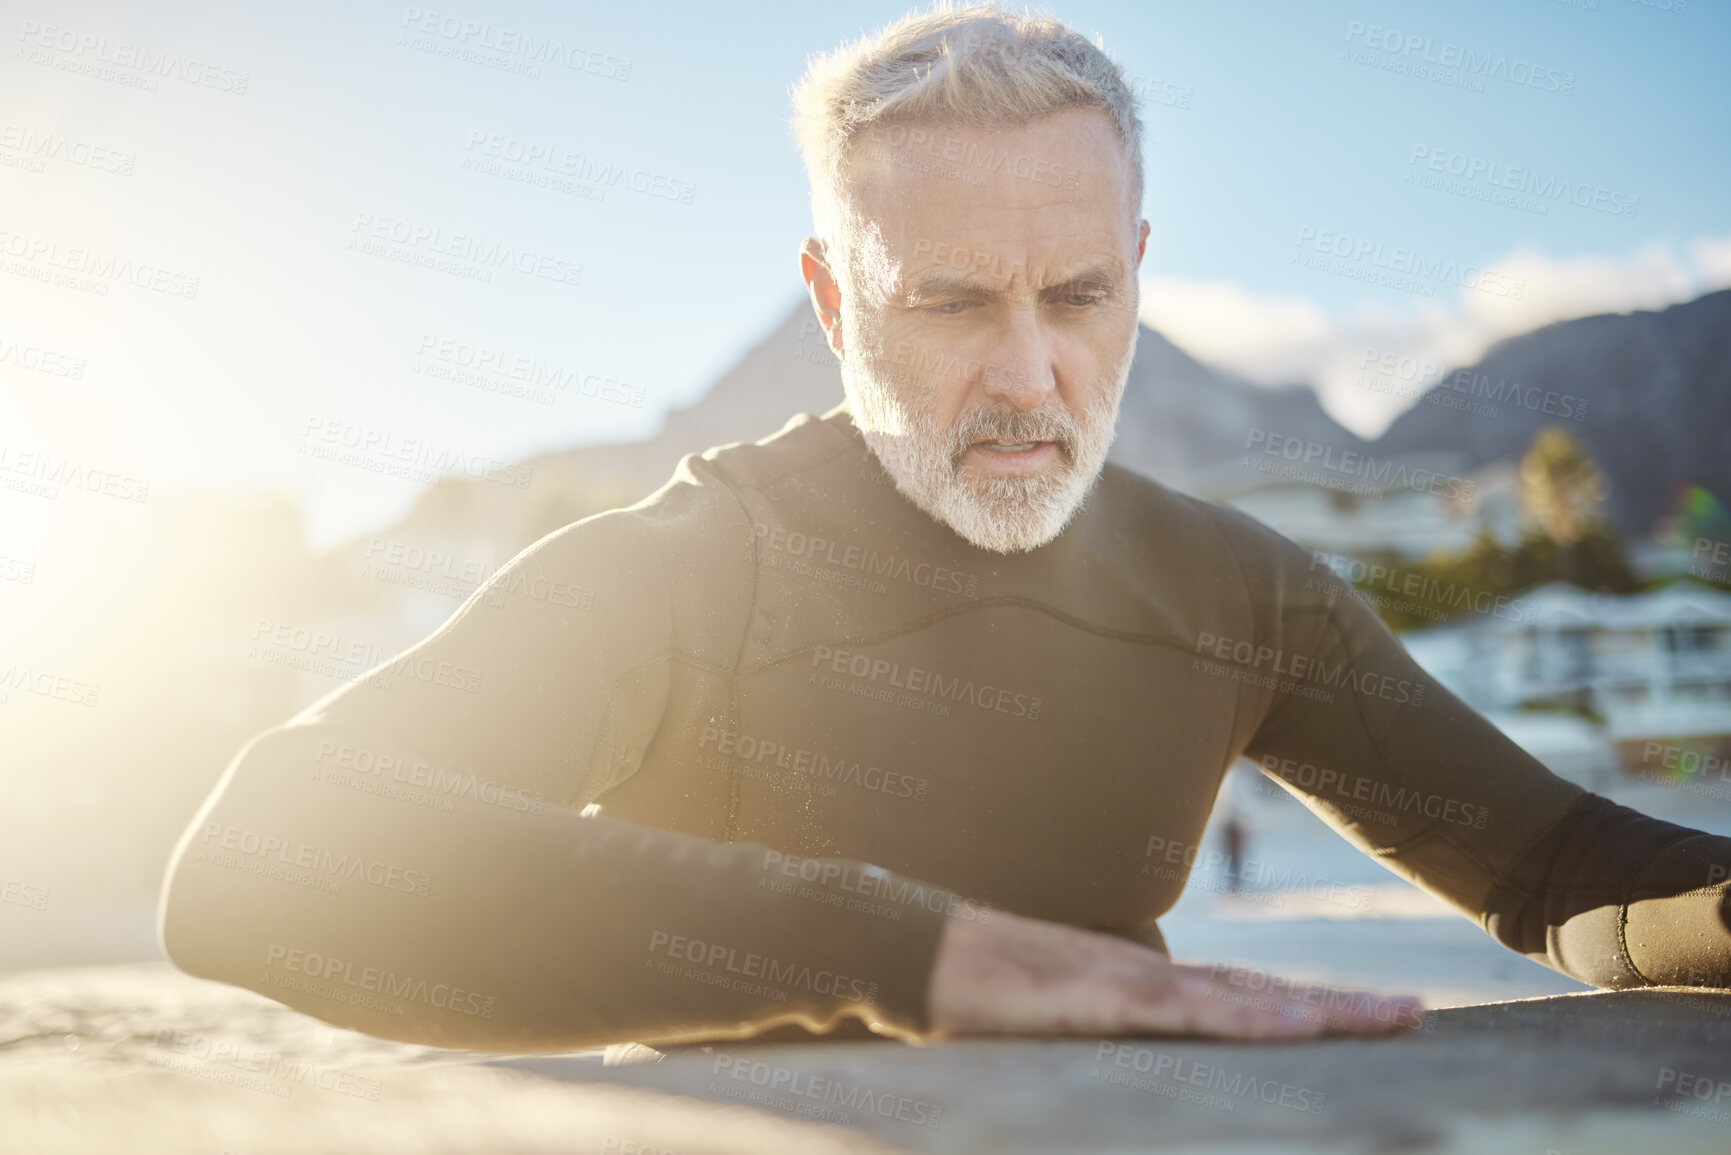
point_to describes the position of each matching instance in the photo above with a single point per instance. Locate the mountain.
(1179, 417)
(1657, 387)
(1183, 422)
(790, 371)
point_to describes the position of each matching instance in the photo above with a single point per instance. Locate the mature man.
(909, 715)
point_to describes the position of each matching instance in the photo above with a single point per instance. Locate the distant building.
(1412, 506)
(1655, 668)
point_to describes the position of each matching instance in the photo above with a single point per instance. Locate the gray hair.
(976, 65)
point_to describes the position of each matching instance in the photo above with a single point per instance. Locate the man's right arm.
(407, 858)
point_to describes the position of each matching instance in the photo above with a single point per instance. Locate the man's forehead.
(1039, 203)
(992, 260)
(1076, 142)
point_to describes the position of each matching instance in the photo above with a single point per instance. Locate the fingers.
(1025, 976)
(1238, 1003)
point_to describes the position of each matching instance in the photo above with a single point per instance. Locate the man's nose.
(1020, 371)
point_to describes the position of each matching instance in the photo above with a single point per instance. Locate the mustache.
(1006, 423)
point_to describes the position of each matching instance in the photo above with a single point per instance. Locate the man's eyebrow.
(937, 283)
(1104, 276)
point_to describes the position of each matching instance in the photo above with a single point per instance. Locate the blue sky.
(355, 123)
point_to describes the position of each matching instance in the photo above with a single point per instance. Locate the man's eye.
(1082, 300)
(950, 308)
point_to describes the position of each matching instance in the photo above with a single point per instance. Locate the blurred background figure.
(1234, 835)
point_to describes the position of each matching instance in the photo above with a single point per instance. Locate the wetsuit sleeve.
(1345, 719)
(408, 857)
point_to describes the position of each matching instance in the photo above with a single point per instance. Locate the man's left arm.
(1414, 777)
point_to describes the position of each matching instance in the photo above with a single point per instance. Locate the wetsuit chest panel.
(1002, 752)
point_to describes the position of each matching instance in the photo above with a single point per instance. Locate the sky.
(239, 239)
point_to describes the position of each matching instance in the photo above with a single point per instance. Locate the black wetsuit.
(818, 722)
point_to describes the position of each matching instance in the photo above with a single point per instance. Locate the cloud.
(1274, 340)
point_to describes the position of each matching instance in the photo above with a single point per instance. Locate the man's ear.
(1142, 231)
(825, 293)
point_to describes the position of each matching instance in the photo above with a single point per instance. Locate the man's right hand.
(1010, 975)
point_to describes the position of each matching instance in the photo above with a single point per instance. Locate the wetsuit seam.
(730, 825)
(1233, 749)
(608, 726)
(1435, 829)
(1623, 955)
(1501, 879)
(771, 476)
(846, 446)
(614, 694)
(697, 664)
(1623, 906)
(1141, 639)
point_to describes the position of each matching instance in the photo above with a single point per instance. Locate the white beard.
(1001, 514)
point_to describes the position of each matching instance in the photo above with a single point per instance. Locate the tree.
(1562, 491)
(1565, 538)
